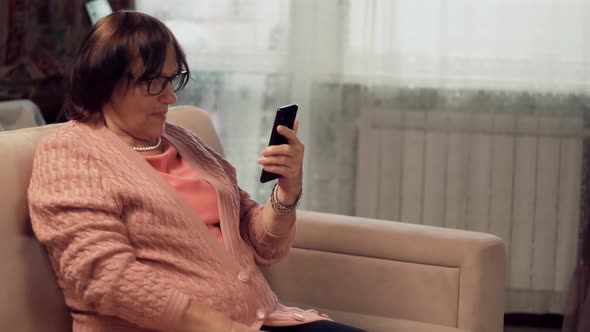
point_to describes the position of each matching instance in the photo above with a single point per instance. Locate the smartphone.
(285, 116)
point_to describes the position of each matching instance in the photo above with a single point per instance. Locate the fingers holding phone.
(280, 159)
(286, 161)
(283, 158)
(284, 117)
(290, 134)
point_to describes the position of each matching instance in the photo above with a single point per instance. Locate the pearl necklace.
(148, 148)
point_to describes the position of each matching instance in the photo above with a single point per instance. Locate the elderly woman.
(145, 226)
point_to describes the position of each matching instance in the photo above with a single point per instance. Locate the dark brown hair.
(106, 57)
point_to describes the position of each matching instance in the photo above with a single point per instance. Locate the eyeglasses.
(157, 84)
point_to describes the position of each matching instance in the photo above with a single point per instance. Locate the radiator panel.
(516, 176)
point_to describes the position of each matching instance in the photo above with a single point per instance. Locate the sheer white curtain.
(236, 51)
(499, 44)
(439, 89)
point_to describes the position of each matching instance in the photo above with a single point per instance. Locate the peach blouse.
(199, 193)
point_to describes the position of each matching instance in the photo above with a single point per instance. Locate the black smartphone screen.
(285, 116)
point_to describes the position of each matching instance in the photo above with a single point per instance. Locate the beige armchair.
(382, 276)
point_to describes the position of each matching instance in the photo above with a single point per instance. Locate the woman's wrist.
(288, 198)
(282, 203)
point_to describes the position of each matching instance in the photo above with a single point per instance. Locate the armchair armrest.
(396, 270)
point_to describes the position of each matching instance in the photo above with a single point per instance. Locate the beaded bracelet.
(278, 206)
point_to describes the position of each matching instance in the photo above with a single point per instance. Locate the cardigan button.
(260, 314)
(298, 317)
(243, 276)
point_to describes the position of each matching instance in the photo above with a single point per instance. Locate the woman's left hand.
(286, 160)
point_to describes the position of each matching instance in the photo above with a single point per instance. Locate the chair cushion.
(374, 323)
(26, 277)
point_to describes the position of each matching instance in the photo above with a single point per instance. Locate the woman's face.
(136, 115)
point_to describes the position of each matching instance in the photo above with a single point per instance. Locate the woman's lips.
(161, 115)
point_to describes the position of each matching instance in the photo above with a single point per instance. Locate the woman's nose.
(168, 96)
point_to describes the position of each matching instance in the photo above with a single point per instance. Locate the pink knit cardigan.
(129, 253)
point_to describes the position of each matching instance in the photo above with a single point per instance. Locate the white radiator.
(518, 177)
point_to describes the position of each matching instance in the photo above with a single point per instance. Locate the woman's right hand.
(201, 318)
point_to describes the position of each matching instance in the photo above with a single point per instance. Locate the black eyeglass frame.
(182, 74)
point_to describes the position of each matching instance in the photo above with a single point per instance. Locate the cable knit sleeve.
(75, 215)
(268, 248)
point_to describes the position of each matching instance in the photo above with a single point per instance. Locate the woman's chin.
(158, 131)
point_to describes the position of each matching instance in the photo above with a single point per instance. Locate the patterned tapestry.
(38, 39)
